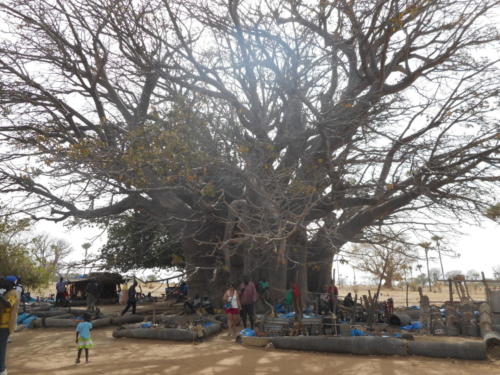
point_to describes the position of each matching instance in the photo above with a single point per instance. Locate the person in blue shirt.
(83, 339)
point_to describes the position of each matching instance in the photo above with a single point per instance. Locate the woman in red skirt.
(232, 308)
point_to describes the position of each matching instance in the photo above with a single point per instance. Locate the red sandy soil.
(52, 352)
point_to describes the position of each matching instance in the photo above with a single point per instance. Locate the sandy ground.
(52, 352)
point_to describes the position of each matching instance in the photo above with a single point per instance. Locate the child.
(83, 337)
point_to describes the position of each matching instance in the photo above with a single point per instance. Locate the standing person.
(60, 291)
(333, 295)
(297, 301)
(8, 317)
(92, 291)
(248, 297)
(83, 339)
(132, 298)
(288, 300)
(232, 306)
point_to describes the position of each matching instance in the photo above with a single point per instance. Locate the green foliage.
(15, 254)
(493, 212)
(136, 241)
(16, 261)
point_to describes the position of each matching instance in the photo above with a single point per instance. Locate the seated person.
(207, 305)
(324, 304)
(348, 301)
(190, 306)
(149, 298)
(197, 301)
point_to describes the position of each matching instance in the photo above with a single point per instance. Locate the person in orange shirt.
(8, 316)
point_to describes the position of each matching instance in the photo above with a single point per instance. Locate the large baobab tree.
(260, 135)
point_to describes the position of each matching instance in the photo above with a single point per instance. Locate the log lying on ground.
(117, 321)
(459, 350)
(370, 345)
(78, 311)
(373, 345)
(102, 322)
(49, 313)
(97, 323)
(168, 334)
(62, 316)
(491, 339)
(42, 307)
(54, 323)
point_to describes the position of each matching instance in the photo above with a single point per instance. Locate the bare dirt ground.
(52, 352)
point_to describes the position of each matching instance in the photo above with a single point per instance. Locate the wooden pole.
(450, 287)
(486, 288)
(407, 286)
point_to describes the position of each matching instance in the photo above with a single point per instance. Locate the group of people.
(239, 301)
(92, 292)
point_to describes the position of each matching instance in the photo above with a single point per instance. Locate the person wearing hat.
(8, 317)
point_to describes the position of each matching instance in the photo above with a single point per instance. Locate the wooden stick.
(407, 286)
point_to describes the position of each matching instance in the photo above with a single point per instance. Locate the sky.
(479, 247)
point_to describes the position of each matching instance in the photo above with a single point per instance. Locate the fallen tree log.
(491, 339)
(97, 323)
(168, 334)
(62, 316)
(117, 321)
(459, 350)
(54, 323)
(42, 306)
(50, 313)
(78, 311)
(373, 345)
(370, 345)
(102, 322)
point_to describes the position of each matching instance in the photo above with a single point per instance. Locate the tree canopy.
(137, 242)
(16, 245)
(263, 135)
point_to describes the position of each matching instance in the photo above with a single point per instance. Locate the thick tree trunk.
(277, 275)
(320, 255)
(205, 275)
(297, 248)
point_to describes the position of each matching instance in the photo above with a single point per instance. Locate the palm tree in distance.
(427, 246)
(436, 239)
